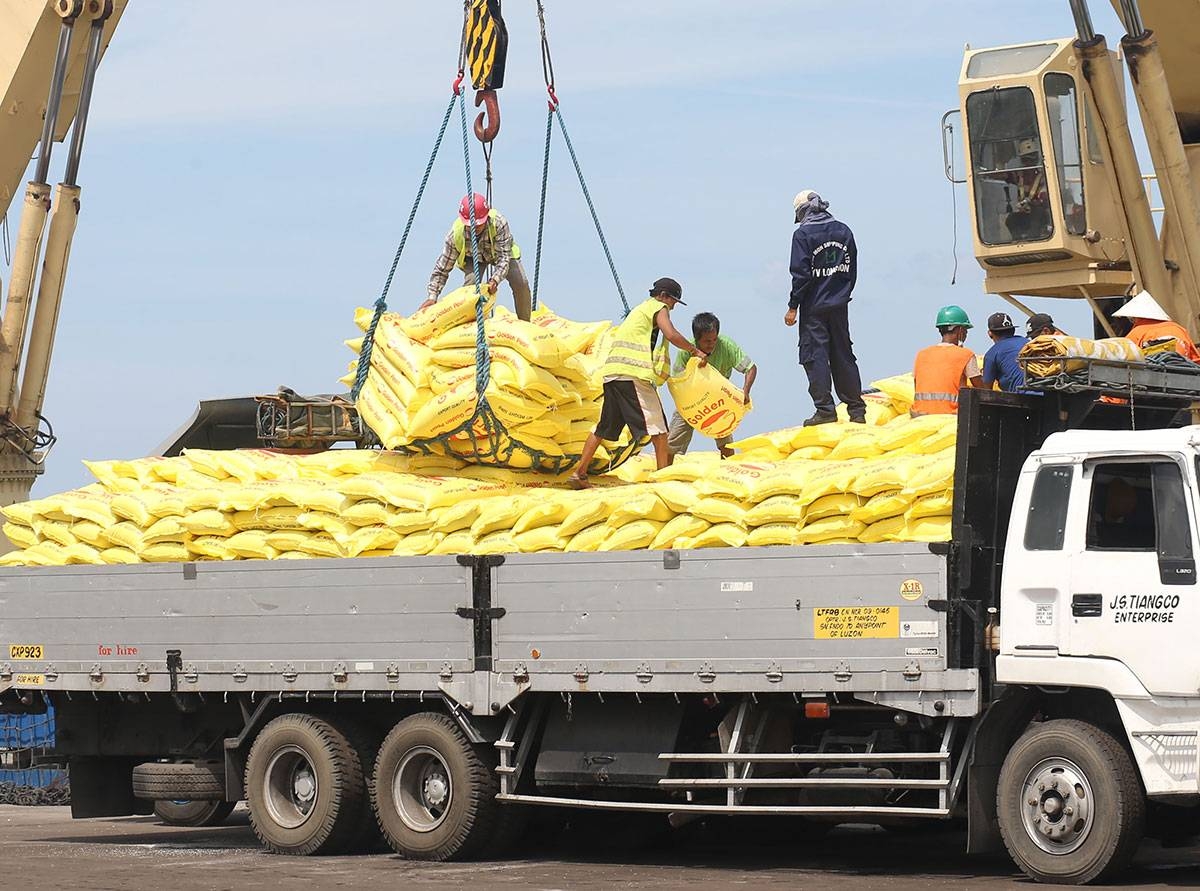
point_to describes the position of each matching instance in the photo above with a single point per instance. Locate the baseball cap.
(1000, 321)
(670, 287)
(1039, 320)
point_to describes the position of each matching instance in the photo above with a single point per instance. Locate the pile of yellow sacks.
(544, 387)
(833, 483)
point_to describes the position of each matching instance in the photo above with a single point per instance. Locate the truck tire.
(193, 813)
(1064, 771)
(435, 792)
(367, 838)
(180, 781)
(305, 787)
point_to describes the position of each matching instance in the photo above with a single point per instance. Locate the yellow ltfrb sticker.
(25, 651)
(856, 622)
(29, 680)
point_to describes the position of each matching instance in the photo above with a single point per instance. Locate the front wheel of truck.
(1070, 803)
(435, 791)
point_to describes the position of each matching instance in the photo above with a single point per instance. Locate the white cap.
(1143, 306)
(802, 198)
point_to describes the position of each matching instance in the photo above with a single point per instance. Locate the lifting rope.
(489, 439)
(556, 112)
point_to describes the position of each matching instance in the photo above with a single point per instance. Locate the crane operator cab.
(1043, 200)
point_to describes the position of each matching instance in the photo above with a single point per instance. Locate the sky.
(247, 176)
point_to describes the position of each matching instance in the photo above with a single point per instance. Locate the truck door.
(1133, 574)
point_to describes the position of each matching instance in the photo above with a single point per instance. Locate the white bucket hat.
(1143, 306)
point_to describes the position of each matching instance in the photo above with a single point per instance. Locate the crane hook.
(491, 113)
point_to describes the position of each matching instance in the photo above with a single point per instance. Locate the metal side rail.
(514, 744)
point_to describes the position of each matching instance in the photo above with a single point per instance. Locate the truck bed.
(862, 619)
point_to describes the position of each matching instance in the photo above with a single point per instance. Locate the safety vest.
(937, 375)
(461, 242)
(631, 352)
(1142, 334)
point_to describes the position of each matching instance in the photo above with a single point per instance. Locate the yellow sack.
(81, 554)
(1053, 354)
(21, 536)
(680, 527)
(935, 442)
(888, 529)
(588, 539)
(824, 435)
(417, 545)
(886, 473)
(638, 507)
(94, 506)
(934, 473)
(536, 345)
(371, 538)
(786, 509)
(441, 414)
(880, 506)
(908, 432)
(365, 513)
(832, 506)
(117, 555)
(162, 552)
(213, 547)
(546, 427)
(90, 533)
(939, 504)
(543, 515)
(834, 478)
(778, 441)
(22, 512)
(46, 553)
(444, 380)
(55, 531)
(455, 308)
(456, 338)
(500, 542)
(202, 522)
(774, 534)
(900, 389)
(166, 529)
(543, 538)
(717, 510)
(456, 360)
(707, 400)
(499, 514)
(863, 443)
(461, 542)
(513, 410)
(379, 415)
(130, 507)
(687, 468)
(719, 535)
(678, 496)
(412, 358)
(632, 536)
(595, 509)
(735, 479)
(838, 528)
(928, 529)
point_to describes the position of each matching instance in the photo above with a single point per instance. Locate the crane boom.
(29, 32)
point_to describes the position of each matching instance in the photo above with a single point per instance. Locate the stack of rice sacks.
(544, 386)
(838, 483)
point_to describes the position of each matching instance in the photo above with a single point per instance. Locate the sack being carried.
(707, 400)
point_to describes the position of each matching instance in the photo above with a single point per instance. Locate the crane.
(1057, 198)
(49, 52)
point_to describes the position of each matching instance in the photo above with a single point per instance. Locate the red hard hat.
(481, 209)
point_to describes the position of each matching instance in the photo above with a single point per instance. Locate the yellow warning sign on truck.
(856, 622)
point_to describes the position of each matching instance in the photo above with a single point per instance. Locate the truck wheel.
(193, 813)
(305, 787)
(435, 794)
(180, 780)
(1070, 803)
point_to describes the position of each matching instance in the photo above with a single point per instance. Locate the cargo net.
(23, 740)
(466, 379)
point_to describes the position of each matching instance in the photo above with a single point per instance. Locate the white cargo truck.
(1031, 677)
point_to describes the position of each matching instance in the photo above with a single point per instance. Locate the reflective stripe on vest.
(630, 355)
(460, 240)
(937, 373)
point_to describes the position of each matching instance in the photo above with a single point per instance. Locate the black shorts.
(633, 404)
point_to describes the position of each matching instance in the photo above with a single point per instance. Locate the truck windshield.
(1009, 169)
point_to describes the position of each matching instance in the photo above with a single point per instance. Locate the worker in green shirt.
(726, 357)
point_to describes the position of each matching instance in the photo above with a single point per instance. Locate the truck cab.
(1100, 588)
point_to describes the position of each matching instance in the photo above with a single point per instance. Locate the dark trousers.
(827, 354)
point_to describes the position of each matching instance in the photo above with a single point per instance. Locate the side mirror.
(949, 156)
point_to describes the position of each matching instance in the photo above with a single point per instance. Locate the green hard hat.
(952, 315)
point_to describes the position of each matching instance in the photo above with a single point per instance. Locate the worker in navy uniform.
(824, 269)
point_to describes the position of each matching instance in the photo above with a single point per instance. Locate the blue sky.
(246, 178)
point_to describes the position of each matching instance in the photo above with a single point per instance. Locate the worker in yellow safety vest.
(941, 370)
(496, 249)
(632, 377)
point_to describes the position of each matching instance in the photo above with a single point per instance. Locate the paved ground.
(43, 849)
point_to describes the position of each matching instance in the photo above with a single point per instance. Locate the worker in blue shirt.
(1000, 363)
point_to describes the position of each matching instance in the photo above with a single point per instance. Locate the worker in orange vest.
(944, 368)
(1151, 323)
